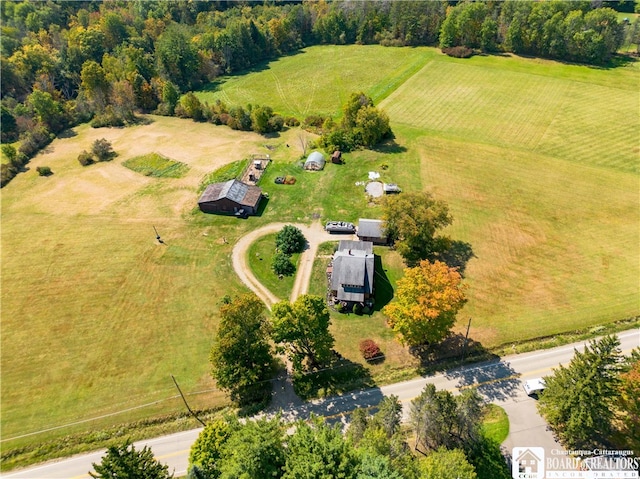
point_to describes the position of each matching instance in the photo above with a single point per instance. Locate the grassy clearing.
(157, 166)
(495, 424)
(260, 259)
(319, 79)
(97, 314)
(565, 112)
(227, 172)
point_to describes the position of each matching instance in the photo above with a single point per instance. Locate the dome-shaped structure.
(315, 161)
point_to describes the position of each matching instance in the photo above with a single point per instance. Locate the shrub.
(85, 158)
(458, 52)
(7, 172)
(108, 119)
(44, 171)
(282, 264)
(370, 350)
(289, 180)
(357, 308)
(276, 123)
(315, 121)
(291, 121)
(102, 150)
(290, 240)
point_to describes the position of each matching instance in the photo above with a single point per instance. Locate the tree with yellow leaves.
(427, 299)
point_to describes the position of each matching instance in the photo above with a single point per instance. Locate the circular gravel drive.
(315, 234)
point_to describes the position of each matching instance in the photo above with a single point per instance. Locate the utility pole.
(185, 401)
(466, 337)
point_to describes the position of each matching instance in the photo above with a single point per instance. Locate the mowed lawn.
(96, 315)
(539, 162)
(318, 80)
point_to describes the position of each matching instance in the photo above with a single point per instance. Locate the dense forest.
(65, 63)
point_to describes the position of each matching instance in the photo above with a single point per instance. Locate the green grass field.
(157, 166)
(319, 79)
(538, 161)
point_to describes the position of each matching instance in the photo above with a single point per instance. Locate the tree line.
(69, 62)
(446, 429)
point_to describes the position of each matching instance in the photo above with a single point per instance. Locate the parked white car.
(534, 387)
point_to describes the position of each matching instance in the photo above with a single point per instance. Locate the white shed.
(315, 161)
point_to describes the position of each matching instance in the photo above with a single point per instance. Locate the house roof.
(370, 228)
(234, 190)
(353, 268)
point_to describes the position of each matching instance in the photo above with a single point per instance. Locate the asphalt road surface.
(498, 381)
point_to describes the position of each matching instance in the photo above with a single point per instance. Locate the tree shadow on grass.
(383, 293)
(457, 255)
(390, 146)
(493, 378)
(68, 133)
(341, 376)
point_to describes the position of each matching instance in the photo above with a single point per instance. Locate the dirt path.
(315, 234)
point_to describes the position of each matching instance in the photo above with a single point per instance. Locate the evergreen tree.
(579, 399)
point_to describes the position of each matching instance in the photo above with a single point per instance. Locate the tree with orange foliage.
(427, 300)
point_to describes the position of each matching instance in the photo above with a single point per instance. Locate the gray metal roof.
(234, 190)
(370, 228)
(353, 269)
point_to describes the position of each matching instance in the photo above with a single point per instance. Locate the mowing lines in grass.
(596, 125)
(319, 79)
(486, 105)
(573, 120)
(556, 243)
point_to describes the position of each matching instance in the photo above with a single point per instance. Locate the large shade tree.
(411, 221)
(443, 420)
(241, 356)
(428, 297)
(303, 328)
(319, 451)
(579, 399)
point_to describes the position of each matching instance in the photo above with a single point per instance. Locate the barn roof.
(234, 190)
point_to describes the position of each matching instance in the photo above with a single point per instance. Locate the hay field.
(95, 313)
(319, 79)
(539, 162)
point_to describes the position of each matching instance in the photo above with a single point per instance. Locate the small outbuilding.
(390, 188)
(373, 231)
(231, 197)
(315, 161)
(336, 157)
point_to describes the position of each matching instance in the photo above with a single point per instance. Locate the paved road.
(499, 381)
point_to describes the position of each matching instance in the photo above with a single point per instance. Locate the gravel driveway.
(315, 234)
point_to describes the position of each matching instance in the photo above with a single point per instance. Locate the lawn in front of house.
(260, 256)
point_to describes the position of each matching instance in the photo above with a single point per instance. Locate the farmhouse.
(230, 197)
(372, 230)
(352, 271)
(315, 161)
